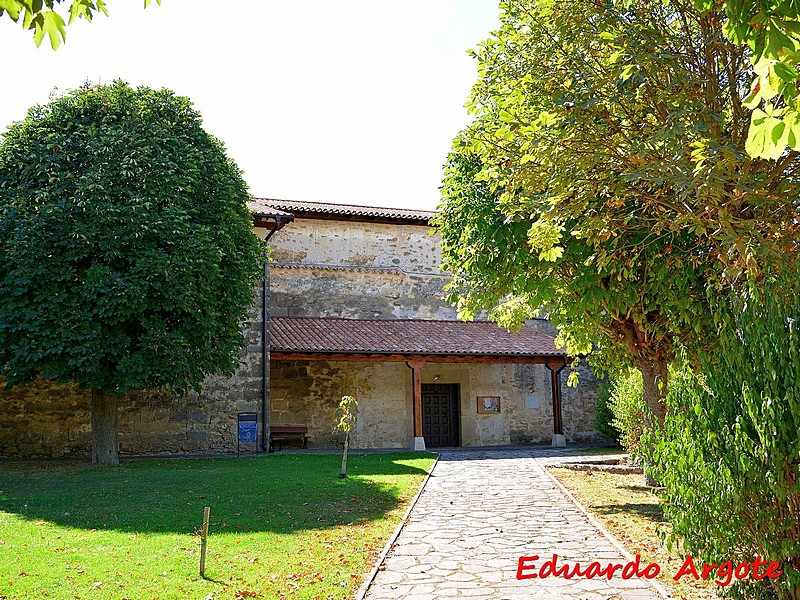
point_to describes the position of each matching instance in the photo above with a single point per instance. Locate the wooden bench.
(278, 435)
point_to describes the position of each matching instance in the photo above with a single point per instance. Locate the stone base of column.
(559, 441)
(419, 444)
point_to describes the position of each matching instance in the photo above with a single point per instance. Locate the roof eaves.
(353, 212)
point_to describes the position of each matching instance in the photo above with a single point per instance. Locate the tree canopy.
(626, 284)
(127, 260)
(771, 30)
(605, 178)
(42, 18)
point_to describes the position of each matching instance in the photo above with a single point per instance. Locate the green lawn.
(282, 525)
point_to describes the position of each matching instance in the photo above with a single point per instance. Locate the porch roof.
(347, 339)
(263, 209)
(341, 212)
(268, 216)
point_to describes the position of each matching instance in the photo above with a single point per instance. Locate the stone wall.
(577, 403)
(327, 268)
(44, 419)
(47, 419)
(321, 268)
(306, 393)
(578, 406)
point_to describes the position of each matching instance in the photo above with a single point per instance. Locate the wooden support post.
(555, 369)
(416, 370)
(203, 540)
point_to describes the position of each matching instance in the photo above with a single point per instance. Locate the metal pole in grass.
(203, 540)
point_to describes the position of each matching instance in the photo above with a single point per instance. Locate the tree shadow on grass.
(281, 494)
(639, 488)
(652, 512)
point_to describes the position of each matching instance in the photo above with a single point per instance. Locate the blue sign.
(248, 427)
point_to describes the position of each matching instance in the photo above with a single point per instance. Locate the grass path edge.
(657, 586)
(362, 591)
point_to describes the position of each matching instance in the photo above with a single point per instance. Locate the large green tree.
(629, 284)
(771, 30)
(605, 179)
(127, 260)
(43, 18)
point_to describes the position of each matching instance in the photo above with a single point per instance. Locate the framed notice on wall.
(488, 405)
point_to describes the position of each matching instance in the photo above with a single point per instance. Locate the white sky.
(324, 100)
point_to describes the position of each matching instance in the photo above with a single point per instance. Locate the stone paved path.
(480, 511)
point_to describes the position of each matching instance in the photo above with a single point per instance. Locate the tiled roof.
(413, 337)
(261, 209)
(351, 268)
(349, 211)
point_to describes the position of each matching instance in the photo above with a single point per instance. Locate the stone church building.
(354, 299)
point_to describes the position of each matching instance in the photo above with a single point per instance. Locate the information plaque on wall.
(488, 405)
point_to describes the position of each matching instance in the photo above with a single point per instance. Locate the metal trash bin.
(247, 430)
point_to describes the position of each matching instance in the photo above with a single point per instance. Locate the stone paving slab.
(479, 512)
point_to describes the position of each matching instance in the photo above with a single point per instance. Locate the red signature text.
(550, 568)
(723, 574)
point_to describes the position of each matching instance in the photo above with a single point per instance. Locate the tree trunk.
(104, 429)
(654, 380)
(343, 472)
(649, 479)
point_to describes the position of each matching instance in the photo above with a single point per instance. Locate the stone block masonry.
(52, 420)
(322, 267)
(358, 270)
(305, 393)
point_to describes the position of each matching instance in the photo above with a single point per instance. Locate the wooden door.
(440, 423)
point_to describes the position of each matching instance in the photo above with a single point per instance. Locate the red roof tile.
(261, 209)
(348, 211)
(412, 337)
